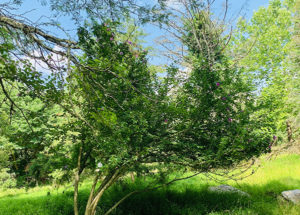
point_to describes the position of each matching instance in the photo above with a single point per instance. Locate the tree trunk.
(76, 182)
(289, 131)
(95, 196)
(132, 176)
(91, 194)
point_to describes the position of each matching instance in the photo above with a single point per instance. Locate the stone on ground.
(292, 195)
(227, 189)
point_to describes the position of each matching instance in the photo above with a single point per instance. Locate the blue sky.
(38, 13)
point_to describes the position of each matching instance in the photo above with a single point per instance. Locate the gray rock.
(292, 195)
(227, 189)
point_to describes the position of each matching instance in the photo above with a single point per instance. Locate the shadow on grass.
(194, 200)
(183, 199)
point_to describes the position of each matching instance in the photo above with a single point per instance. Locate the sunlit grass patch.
(188, 197)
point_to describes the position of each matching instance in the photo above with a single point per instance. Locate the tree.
(7, 179)
(215, 104)
(24, 140)
(263, 46)
(113, 88)
(208, 126)
(293, 64)
(28, 122)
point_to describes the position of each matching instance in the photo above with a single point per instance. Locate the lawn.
(189, 197)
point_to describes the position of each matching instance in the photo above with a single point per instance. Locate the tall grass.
(189, 197)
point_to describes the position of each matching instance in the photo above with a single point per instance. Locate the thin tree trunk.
(120, 201)
(76, 182)
(95, 197)
(289, 131)
(132, 176)
(92, 193)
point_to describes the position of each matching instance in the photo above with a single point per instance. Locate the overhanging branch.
(28, 29)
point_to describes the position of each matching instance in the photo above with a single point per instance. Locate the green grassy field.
(183, 197)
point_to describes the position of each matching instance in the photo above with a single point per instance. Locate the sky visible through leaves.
(35, 11)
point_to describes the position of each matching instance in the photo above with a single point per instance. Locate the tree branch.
(14, 104)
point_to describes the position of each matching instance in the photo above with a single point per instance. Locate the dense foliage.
(270, 65)
(216, 104)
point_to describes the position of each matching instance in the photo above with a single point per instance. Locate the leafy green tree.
(293, 65)
(28, 138)
(27, 122)
(7, 179)
(264, 46)
(113, 89)
(133, 120)
(215, 105)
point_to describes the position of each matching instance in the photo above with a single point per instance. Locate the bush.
(7, 180)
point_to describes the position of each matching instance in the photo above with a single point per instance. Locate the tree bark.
(132, 176)
(27, 29)
(76, 182)
(92, 193)
(289, 131)
(95, 196)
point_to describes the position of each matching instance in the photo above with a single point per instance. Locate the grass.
(189, 197)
